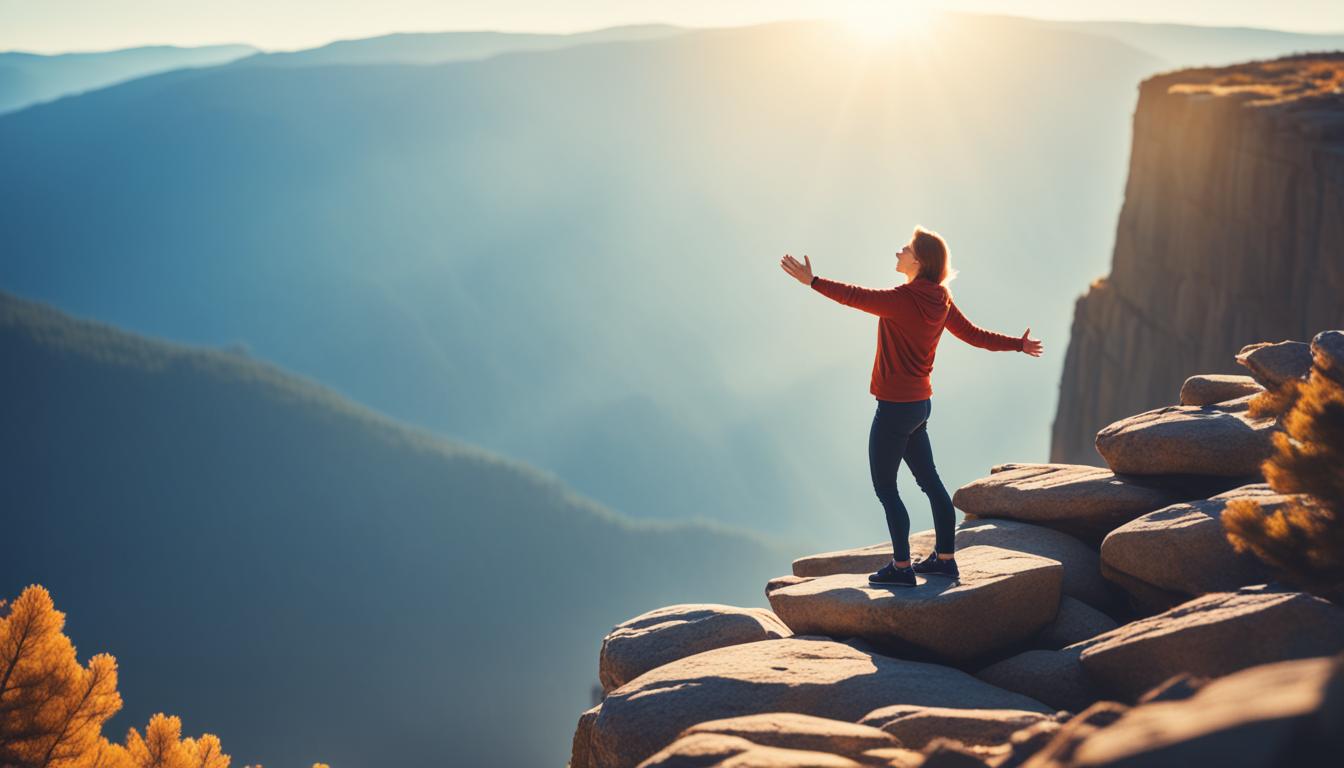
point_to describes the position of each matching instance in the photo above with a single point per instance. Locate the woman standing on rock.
(912, 318)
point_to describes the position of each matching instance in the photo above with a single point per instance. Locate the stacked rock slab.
(1271, 364)
(1211, 388)
(1082, 501)
(1003, 597)
(1181, 551)
(1082, 578)
(809, 675)
(1171, 554)
(1220, 440)
(1231, 170)
(1211, 636)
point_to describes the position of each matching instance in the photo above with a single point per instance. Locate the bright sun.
(886, 19)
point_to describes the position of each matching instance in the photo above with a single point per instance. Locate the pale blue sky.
(51, 26)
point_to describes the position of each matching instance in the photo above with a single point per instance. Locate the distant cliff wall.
(1232, 228)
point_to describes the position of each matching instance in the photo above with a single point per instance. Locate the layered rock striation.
(1232, 228)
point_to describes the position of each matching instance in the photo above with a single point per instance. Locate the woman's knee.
(887, 492)
(929, 481)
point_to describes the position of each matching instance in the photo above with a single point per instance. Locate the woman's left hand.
(801, 272)
(1031, 346)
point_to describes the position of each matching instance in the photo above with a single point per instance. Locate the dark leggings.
(900, 431)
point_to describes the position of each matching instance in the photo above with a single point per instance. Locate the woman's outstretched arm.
(888, 302)
(979, 337)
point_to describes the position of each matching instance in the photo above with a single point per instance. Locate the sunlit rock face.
(1232, 229)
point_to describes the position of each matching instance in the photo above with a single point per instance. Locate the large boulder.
(914, 727)
(1276, 714)
(1085, 502)
(1182, 551)
(1221, 440)
(1211, 636)
(1272, 364)
(1053, 677)
(812, 676)
(1074, 622)
(860, 559)
(1210, 388)
(1003, 597)
(652, 639)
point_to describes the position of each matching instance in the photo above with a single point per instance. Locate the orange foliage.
(1304, 540)
(52, 710)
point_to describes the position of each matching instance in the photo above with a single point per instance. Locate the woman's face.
(905, 261)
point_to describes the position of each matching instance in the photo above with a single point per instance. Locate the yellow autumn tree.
(1304, 539)
(52, 709)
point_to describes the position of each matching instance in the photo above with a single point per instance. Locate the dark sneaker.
(891, 576)
(937, 566)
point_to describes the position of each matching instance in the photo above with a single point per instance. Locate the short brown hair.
(931, 252)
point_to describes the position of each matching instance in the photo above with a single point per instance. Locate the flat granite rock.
(1082, 501)
(808, 675)
(1220, 440)
(1210, 388)
(1211, 636)
(1003, 597)
(1182, 550)
(652, 639)
(1269, 715)
(1082, 576)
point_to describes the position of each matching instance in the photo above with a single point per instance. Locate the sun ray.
(882, 20)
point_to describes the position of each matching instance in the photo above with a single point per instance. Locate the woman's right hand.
(802, 272)
(1031, 346)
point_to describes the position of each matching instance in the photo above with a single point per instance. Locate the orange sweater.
(911, 320)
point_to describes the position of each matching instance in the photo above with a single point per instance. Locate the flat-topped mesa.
(1231, 230)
